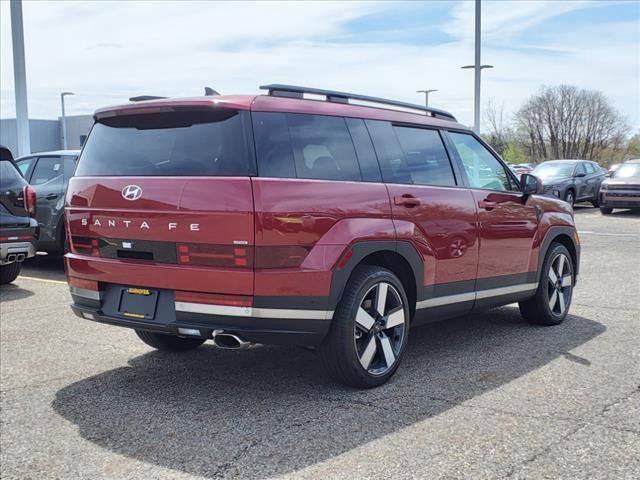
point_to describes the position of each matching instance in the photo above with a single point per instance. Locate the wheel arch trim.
(554, 233)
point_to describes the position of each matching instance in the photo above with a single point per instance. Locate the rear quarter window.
(195, 143)
(304, 146)
(8, 173)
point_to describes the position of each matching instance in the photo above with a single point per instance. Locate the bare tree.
(567, 122)
(498, 134)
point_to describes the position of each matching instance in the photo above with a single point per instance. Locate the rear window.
(198, 143)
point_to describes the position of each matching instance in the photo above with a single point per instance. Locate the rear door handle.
(406, 200)
(487, 205)
(51, 196)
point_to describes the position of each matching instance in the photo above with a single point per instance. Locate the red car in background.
(281, 219)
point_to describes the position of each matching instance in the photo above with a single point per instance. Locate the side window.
(304, 146)
(69, 167)
(364, 150)
(580, 169)
(322, 148)
(389, 152)
(47, 170)
(482, 168)
(426, 160)
(589, 168)
(273, 145)
(24, 165)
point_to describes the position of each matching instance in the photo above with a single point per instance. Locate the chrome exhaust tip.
(20, 257)
(229, 341)
(11, 258)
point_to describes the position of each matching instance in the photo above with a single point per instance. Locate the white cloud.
(106, 52)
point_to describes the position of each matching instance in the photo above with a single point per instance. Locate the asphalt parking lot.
(487, 396)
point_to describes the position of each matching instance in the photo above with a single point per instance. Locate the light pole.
(478, 68)
(426, 95)
(20, 79)
(64, 119)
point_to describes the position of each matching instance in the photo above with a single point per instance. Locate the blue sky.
(109, 51)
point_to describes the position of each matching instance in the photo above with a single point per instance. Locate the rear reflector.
(82, 283)
(20, 237)
(230, 256)
(189, 331)
(214, 299)
(281, 256)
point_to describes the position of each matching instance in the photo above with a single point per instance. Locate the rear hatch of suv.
(162, 199)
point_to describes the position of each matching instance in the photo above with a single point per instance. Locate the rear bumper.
(16, 251)
(620, 199)
(259, 325)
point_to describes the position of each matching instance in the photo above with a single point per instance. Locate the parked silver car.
(622, 190)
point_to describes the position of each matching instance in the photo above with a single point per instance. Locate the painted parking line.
(605, 234)
(45, 280)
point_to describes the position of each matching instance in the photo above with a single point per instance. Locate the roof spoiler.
(142, 98)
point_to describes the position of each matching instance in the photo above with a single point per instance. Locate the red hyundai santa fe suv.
(338, 222)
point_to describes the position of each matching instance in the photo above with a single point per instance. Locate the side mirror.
(580, 175)
(530, 184)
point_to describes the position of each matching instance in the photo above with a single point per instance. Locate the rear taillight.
(280, 256)
(85, 246)
(230, 256)
(29, 195)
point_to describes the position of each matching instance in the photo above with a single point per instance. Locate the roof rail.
(292, 91)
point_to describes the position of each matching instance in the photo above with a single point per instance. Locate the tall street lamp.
(478, 67)
(20, 79)
(64, 119)
(426, 95)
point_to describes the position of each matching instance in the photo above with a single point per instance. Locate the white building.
(47, 134)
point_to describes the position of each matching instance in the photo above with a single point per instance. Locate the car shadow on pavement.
(271, 410)
(12, 292)
(50, 267)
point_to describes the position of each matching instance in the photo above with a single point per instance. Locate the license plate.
(138, 303)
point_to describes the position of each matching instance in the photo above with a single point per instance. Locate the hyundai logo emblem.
(132, 192)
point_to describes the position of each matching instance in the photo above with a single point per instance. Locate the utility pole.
(478, 67)
(64, 119)
(20, 79)
(426, 95)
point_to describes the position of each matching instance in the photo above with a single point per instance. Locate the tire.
(168, 343)
(595, 203)
(552, 300)
(570, 197)
(363, 348)
(606, 210)
(9, 272)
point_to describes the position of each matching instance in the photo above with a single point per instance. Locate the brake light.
(233, 256)
(281, 256)
(85, 246)
(29, 196)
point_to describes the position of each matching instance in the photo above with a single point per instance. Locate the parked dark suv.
(280, 219)
(49, 173)
(18, 230)
(571, 180)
